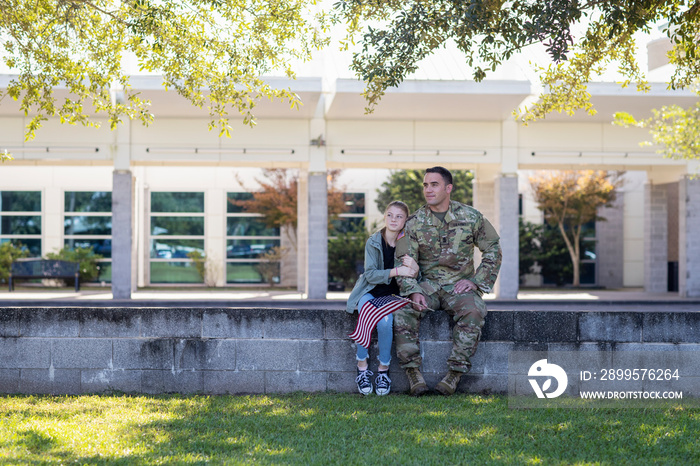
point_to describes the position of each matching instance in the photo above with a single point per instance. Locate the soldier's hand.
(409, 262)
(465, 285)
(419, 302)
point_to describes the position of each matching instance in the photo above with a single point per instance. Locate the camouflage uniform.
(444, 252)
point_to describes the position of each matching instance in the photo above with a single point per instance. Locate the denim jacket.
(374, 274)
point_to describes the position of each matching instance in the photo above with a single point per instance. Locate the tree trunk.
(576, 262)
(573, 253)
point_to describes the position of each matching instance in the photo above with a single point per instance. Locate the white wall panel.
(568, 136)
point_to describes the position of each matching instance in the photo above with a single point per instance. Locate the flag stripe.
(371, 313)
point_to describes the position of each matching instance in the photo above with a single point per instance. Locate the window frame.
(13, 237)
(66, 213)
(227, 238)
(150, 237)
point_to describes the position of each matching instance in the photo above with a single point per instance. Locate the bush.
(269, 265)
(89, 266)
(543, 245)
(346, 253)
(200, 263)
(555, 261)
(530, 246)
(9, 253)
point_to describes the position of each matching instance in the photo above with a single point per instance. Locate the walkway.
(628, 299)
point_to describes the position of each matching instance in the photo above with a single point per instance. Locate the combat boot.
(448, 385)
(415, 378)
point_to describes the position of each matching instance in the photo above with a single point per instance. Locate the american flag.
(372, 312)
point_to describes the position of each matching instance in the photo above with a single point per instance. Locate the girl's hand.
(406, 271)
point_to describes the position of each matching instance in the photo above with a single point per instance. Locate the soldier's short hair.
(442, 171)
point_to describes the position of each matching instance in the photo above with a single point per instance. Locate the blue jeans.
(385, 335)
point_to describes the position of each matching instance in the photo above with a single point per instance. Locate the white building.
(456, 123)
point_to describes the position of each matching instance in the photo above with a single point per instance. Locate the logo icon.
(542, 368)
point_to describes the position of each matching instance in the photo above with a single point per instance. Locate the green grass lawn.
(335, 429)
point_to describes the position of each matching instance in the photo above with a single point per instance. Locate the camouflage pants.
(467, 311)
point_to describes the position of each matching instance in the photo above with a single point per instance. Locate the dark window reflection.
(88, 201)
(249, 248)
(164, 248)
(354, 203)
(20, 201)
(31, 245)
(177, 226)
(231, 198)
(83, 225)
(249, 226)
(177, 202)
(20, 225)
(103, 247)
(346, 225)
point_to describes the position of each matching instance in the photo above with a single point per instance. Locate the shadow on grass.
(349, 429)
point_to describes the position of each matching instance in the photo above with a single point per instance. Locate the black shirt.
(393, 287)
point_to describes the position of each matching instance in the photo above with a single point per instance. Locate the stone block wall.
(236, 351)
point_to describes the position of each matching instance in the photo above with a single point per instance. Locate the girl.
(378, 280)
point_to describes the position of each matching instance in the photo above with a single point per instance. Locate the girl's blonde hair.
(401, 205)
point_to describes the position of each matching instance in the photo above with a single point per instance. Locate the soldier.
(440, 237)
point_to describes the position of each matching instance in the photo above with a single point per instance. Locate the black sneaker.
(383, 383)
(364, 384)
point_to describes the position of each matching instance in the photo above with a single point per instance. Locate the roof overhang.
(610, 98)
(431, 100)
(170, 104)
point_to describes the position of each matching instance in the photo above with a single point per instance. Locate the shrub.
(543, 245)
(89, 266)
(9, 253)
(269, 265)
(346, 255)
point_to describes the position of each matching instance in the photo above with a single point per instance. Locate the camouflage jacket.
(444, 251)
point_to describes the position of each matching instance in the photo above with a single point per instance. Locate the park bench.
(44, 268)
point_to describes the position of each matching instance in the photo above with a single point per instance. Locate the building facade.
(171, 184)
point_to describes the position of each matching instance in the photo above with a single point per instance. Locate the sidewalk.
(265, 294)
(624, 299)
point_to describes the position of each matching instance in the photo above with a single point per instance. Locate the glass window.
(558, 269)
(520, 205)
(103, 247)
(167, 248)
(354, 203)
(247, 240)
(353, 219)
(20, 201)
(176, 230)
(19, 224)
(346, 225)
(588, 230)
(245, 272)
(32, 245)
(177, 202)
(90, 231)
(587, 250)
(105, 272)
(248, 249)
(174, 272)
(83, 225)
(249, 226)
(177, 226)
(231, 198)
(587, 272)
(88, 201)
